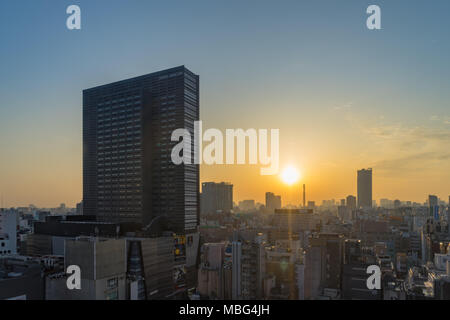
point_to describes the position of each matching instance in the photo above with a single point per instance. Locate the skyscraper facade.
(236, 269)
(128, 175)
(365, 188)
(216, 197)
(432, 200)
(351, 202)
(272, 201)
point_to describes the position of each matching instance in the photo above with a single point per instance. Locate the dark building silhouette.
(21, 279)
(128, 174)
(365, 188)
(354, 274)
(351, 202)
(272, 201)
(216, 197)
(323, 264)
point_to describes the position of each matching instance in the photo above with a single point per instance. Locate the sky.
(344, 97)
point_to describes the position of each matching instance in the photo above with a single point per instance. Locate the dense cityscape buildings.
(143, 230)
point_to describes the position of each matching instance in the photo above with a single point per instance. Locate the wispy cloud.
(400, 147)
(346, 106)
(442, 119)
(417, 161)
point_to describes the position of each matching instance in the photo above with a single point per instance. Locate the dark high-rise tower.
(351, 202)
(128, 175)
(216, 197)
(365, 188)
(304, 196)
(272, 201)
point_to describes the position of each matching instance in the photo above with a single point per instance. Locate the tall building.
(252, 270)
(79, 208)
(433, 203)
(216, 197)
(365, 188)
(247, 205)
(351, 202)
(128, 175)
(103, 266)
(432, 200)
(150, 267)
(323, 264)
(211, 272)
(311, 204)
(8, 232)
(236, 269)
(354, 275)
(352, 251)
(344, 213)
(272, 201)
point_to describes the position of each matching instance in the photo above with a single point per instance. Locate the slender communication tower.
(304, 196)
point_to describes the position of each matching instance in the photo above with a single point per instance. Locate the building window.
(112, 295)
(112, 283)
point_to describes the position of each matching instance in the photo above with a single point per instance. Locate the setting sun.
(290, 175)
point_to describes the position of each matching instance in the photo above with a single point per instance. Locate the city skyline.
(350, 98)
(224, 156)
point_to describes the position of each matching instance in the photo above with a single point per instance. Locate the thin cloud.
(398, 148)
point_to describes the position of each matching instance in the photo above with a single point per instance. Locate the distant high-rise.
(433, 203)
(247, 205)
(79, 208)
(272, 201)
(216, 197)
(304, 195)
(236, 269)
(351, 202)
(8, 231)
(365, 188)
(432, 200)
(448, 215)
(128, 175)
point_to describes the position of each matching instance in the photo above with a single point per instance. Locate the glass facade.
(128, 175)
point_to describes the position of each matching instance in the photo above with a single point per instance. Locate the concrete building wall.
(20, 280)
(236, 269)
(158, 263)
(8, 231)
(39, 244)
(103, 268)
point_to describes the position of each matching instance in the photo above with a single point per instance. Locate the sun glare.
(290, 175)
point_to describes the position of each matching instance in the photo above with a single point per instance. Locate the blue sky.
(310, 68)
